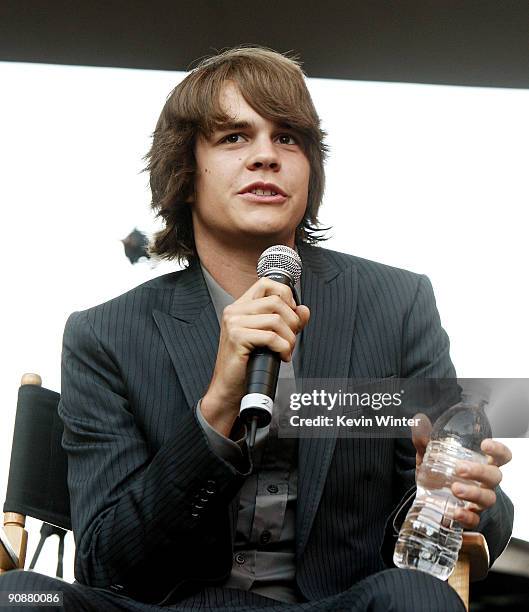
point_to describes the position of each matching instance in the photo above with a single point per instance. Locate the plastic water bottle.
(430, 537)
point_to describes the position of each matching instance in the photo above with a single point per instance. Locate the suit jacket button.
(266, 536)
(240, 558)
(272, 488)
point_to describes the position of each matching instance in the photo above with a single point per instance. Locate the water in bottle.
(430, 537)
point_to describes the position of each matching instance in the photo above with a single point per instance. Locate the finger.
(304, 315)
(266, 286)
(260, 337)
(488, 476)
(466, 518)
(269, 322)
(498, 453)
(420, 434)
(275, 304)
(484, 498)
(268, 305)
(474, 507)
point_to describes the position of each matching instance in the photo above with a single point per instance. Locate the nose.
(264, 155)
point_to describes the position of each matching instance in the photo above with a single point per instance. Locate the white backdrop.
(428, 178)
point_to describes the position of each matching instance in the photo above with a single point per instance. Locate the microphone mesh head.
(282, 259)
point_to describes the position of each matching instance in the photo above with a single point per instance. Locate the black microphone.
(282, 264)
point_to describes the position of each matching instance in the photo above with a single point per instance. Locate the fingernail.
(459, 488)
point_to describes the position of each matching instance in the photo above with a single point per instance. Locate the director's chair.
(37, 487)
(37, 483)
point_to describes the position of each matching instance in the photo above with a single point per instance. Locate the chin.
(265, 237)
(265, 226)
(272, 230)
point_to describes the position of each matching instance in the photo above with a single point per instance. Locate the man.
(167, 508)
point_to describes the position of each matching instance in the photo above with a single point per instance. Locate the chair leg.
(460, 577)
(14, 527)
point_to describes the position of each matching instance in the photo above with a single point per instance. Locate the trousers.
(391, 590)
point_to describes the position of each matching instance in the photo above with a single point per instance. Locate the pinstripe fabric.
(134, 368)
(387, 591)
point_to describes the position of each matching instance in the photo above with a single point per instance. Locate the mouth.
(263, 193)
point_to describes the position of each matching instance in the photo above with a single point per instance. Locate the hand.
(481, 496)
(488, 477)
(265, 315)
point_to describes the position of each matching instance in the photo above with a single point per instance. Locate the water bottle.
(430, 537)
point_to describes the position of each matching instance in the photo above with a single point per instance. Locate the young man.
(167, 508)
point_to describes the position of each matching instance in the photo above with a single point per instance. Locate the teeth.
(263, 192)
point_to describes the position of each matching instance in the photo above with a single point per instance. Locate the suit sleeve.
(143, 522)
(230, 449)
(426, 354)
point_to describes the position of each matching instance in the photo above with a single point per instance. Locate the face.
(252, 179)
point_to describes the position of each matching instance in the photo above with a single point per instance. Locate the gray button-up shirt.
(264, 548)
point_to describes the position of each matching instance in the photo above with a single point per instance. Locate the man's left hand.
(488, 476)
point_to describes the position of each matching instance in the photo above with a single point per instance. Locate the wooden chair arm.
(14, 529)
(472, 564)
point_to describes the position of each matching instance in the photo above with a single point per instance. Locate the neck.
(233, 266)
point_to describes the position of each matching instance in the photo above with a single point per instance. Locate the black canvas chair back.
(37, 484)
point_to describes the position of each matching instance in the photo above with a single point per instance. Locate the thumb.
(304, 314)
(420, 435)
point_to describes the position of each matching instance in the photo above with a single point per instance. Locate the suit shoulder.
(373, 273)
(154, 293)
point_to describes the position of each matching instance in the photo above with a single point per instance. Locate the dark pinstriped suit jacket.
(134, 368)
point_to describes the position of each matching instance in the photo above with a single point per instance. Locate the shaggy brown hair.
(274, 86)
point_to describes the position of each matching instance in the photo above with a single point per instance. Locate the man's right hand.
(266, 315)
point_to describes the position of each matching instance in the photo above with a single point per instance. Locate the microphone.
(282, 264)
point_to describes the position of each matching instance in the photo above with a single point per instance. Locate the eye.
(232, 138)
(287, 139)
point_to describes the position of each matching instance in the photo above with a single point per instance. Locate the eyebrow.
(234, 125)
(245, 125)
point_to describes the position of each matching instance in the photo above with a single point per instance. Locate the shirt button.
(240, 559)
(266, 536)
(272, 488)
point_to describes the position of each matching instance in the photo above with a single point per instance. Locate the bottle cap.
(475, 390)
(467, 420)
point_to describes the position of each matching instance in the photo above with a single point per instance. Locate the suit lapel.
(190, 332)
(329, 289)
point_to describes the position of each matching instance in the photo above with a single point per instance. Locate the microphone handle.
(262, 374)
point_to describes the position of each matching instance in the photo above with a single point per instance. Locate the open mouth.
(263, 193)
(266, 197)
